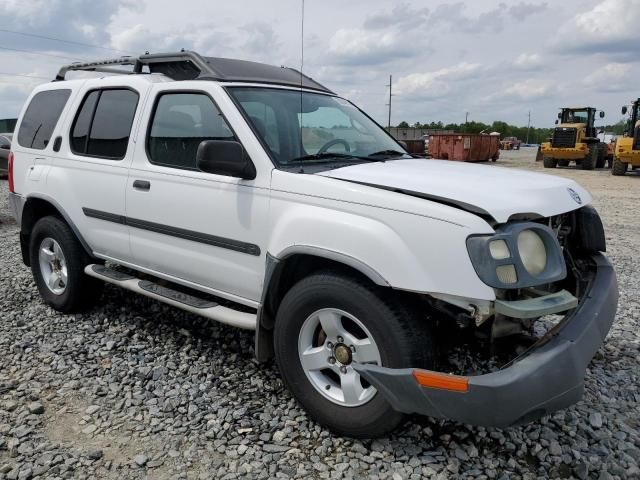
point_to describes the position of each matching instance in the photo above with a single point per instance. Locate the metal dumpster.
(464, 147)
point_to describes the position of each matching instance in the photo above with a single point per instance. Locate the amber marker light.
(441, 381)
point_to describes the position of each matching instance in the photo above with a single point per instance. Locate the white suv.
(254, 196)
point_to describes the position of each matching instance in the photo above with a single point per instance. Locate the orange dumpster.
(464, 147)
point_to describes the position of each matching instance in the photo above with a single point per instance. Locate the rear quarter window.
(41, 118)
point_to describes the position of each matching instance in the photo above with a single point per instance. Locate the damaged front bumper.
(546, 378)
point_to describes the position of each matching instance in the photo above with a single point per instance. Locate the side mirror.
(556, 122)
(624, 110)
(403, 144)
(601, 114)
(559, 115)
(224, 157)
(5, 146)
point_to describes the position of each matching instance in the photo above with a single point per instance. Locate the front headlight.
(518, 255)
(532, 252)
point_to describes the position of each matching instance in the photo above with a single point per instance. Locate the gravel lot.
(136, 389)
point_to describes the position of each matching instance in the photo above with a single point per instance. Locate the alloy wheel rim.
(53, 266)
(329, 343)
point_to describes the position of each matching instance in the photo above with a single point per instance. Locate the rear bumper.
(576, 153)
(16, 205)
(548, 377)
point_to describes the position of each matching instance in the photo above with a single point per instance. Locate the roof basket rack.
(187, 65)
(193, 65)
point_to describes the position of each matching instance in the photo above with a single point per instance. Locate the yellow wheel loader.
(627, 151)
(575, 139)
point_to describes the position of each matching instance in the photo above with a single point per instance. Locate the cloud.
(454, 16)
(613, 77)
(527, 61)
(529, 89)
(436, 82)
(253, 41)
(401, 15)
(365, 47)
(523, 10)
(609, 27)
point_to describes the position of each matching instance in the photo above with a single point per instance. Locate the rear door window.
(41, 118)
(103, 124)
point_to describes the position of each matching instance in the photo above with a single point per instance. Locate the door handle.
(142, 185)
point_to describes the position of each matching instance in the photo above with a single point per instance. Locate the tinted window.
(106, 116)
(41, 118)
(180, 122)
(80, 130)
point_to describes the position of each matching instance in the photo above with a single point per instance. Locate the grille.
(564, 138)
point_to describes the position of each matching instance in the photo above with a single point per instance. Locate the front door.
(196, 227)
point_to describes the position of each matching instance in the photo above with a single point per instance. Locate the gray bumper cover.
(548, 377)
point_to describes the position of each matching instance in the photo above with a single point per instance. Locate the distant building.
(7, 125)
(413, 133)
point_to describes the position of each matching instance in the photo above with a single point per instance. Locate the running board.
(183, 301)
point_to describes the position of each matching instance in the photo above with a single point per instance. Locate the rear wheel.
(57, 263)
(325, 324)
(619, 168)
(549, 162)
(590, 161)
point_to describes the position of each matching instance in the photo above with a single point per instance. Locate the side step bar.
(184, 301)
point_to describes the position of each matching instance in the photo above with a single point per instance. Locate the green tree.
(403, 124)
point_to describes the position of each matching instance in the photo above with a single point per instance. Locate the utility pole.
(389, 104)
(528, 126)
(466, 120)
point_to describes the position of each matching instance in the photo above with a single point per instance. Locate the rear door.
(91, 169)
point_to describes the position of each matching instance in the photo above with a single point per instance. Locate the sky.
(497, 60)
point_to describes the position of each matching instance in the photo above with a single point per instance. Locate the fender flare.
(61, 211)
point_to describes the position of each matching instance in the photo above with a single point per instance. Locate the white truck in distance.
(254, 196)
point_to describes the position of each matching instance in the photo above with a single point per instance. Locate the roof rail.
(187, 65)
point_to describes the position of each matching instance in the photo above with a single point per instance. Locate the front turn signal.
(441, 381)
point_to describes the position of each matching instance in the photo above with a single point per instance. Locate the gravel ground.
(137, 389)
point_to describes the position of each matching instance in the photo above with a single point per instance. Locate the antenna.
(301, 74)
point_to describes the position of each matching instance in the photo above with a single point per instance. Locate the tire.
(401, 340)
(590, 161)
(602, 155)
(74, 293)
(619, 168)
(549, 162)
(563, 163)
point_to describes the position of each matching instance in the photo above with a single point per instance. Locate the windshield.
(310, 127)
(575, 116)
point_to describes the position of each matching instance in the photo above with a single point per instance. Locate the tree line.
(536, 135)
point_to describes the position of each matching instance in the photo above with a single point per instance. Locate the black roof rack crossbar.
(186, 65)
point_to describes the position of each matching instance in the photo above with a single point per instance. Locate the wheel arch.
(36, 207)
(293, 264)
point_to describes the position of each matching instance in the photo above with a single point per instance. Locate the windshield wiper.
(329, 156)
(387, 153)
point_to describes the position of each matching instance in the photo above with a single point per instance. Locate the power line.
(23, 75)
(71, 42)
(40, 53)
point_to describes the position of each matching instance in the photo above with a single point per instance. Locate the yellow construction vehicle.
(628, 147)
(575, 139)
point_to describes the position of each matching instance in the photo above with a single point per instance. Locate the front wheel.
(57, 263)
(619, 168)
(549, 162)
(328, 322)
(591, 159)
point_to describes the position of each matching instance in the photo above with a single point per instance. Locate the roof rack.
(187, 65)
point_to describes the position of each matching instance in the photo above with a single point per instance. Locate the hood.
(483, 189)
